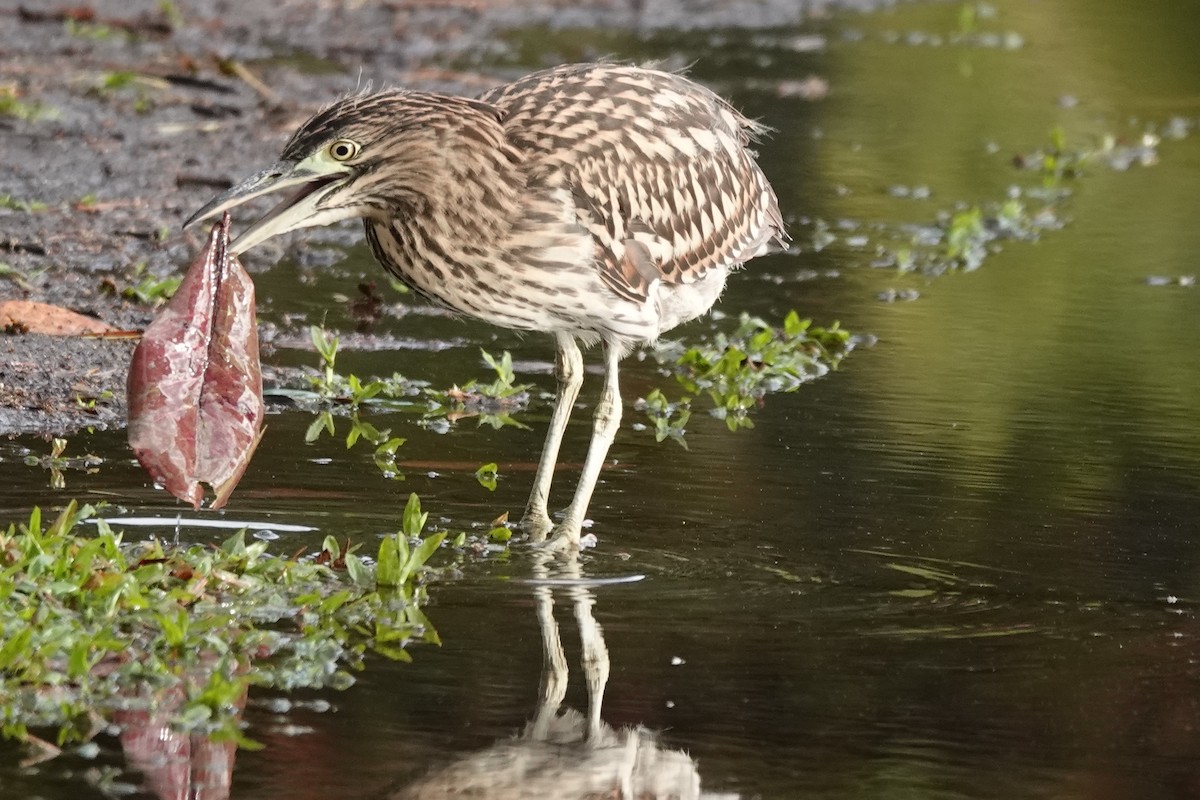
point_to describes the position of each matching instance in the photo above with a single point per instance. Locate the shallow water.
(961, 566)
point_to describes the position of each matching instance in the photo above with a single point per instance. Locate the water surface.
(961, 566)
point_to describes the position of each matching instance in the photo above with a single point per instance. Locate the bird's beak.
(299, 210)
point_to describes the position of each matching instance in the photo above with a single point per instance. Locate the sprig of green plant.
(142, 87)
(57, 462)
(399, 558)
(670, 419)
(9, 272)
(171, 12)
(351, 392)
(96, 31)
(491, 403)
(736, 370)
(385, 444)
(149, 289)
(966, 239)
(963, 238)
(1056, 161)
(11, 105)
(327, 384)
(90, 623)
(24, 206)
(488, 476)
(1059, 160)
(338, 395)
(505, 387)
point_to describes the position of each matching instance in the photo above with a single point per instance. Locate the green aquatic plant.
(91, 623)
(669, 418)
(96, 31)
(965, 242)
(7, 201)
(488, 476)
(12, 105)
(56, 462)
(352, 392)
(736, 370)
(145, 287)
(491, 403)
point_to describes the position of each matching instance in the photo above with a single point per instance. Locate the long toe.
(537, 524)
(564, 540)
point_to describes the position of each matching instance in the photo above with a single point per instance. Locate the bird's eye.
(344, 149)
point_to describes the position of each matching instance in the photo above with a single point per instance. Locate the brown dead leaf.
(28, 316)
(195, 385)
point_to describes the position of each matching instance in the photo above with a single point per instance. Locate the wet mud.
(119, 119)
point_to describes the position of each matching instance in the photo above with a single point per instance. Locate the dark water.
(962, 566)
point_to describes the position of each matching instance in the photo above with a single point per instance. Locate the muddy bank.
(119, 119)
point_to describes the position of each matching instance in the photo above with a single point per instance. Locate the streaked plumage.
(590, 201)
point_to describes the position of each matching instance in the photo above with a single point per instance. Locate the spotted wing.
(658, 167)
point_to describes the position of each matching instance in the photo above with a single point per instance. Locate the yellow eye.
(344, 149)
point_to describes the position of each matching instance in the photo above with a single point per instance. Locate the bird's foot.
(568, 538)
(560, 545)
(537, 524)
(564, 538)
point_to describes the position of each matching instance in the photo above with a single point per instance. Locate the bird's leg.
(606, 421)
(568, 368)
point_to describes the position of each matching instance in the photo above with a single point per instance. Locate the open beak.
(300, 209)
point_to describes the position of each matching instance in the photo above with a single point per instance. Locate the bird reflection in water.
(563, 754)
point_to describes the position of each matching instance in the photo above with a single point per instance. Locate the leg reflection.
(563, 754)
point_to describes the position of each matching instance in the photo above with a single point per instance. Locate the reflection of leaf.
(783, 573)
(926, 572)
(195, 389)
(913, 594)
(959, 631)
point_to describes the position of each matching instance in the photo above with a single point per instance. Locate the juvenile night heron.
(590, 201)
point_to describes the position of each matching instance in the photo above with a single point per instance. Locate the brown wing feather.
(657, 166)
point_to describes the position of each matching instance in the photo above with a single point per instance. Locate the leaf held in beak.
(195, 385)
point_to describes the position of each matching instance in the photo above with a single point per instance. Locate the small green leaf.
(388, 567)
(13, 651)
(420, 554)
(487, 476)
(331, 546)
(325, 344)
(360, 576)
(334, 602)
(323, 422)
(235, 545)
(414, 520)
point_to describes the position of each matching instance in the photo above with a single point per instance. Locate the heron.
(597, 202)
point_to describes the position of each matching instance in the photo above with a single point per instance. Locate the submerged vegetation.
(965, 235)
(735, 371)
(56, 462)
(492, 403)
(92, 624)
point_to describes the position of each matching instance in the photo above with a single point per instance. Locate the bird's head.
(368, 155)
